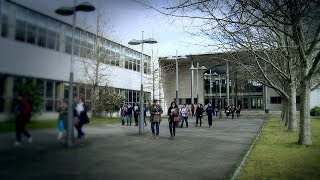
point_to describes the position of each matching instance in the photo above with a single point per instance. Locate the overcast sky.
(126, 20)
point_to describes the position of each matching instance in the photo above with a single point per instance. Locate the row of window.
(248, 87)
(43, 31)
(50, 89)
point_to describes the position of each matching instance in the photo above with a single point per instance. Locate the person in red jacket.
(23, 111)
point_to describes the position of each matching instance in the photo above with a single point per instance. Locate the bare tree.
(95, 74)
(280, 36)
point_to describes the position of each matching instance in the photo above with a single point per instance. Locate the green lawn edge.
(276, 154)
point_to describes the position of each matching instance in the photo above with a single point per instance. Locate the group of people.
(80, 117)
(231, 110)
(177, 116)
(23, 112)
(126, 112)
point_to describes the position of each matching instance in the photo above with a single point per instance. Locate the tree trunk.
(292, 110)
(94, 101)
(284, 113)
(305, 131)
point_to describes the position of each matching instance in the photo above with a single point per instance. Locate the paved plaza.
(112, 151)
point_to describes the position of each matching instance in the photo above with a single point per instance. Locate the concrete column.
(8, 94)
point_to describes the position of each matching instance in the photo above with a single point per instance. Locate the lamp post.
(137, 42)
(197, 68)
(67, 11)
(177, 73)
(216, 74)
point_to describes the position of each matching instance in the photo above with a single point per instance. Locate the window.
(4, 25)
(31, 33)
(275, 100)
(51, 41)
(134, 65)
(126, 64)
(49, 89)
(41, 37)
(20, 30)
(298, 99)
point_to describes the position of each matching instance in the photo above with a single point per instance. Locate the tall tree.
(95, 73)
(280, 36)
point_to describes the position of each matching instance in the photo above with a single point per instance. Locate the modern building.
(204, 78)
(36, 48)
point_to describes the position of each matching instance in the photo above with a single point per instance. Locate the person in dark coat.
(173, 112)
(199, 114)
(227, 111)
(210, 114)
(81, 113)
(23, 111)
(238, 110)
(136, 112)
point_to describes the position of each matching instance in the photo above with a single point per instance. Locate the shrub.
(315, 111)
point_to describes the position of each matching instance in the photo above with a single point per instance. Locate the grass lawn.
(9, 126)
(276, 154)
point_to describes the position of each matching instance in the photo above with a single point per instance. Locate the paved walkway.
(119, 152)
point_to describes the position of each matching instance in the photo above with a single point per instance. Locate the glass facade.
(43, 31)
(242, 90)
(28, 26)
(49, 90)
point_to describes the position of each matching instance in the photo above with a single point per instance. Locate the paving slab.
(112, 151)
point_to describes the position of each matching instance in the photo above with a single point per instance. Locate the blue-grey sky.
(126, 20)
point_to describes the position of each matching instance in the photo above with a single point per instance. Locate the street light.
(67, 11)
(216, 74)
(137, 42)
(197, 68)
(177, 73)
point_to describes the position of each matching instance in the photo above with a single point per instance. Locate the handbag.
(177, 119)
(156, 118)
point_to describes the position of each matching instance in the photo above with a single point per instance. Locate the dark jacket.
(199, 112)
(172, 115)
(209, 111)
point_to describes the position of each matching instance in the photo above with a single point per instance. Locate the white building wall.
(272, 107)
(28, 60)
(315, 98)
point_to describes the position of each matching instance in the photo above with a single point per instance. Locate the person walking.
(173, 113)
(227, 110)
(136, 112)
(199, 114)
(123, 113)
(184, 114)
(129, 115)
(232, 111)
(145, 113)
(155, 118)
(23, 111)
(210, 114)
(81, 113)
(238, 110)
(62, 119)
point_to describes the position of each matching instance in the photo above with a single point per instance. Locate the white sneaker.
(30, 140)
(17, 144)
